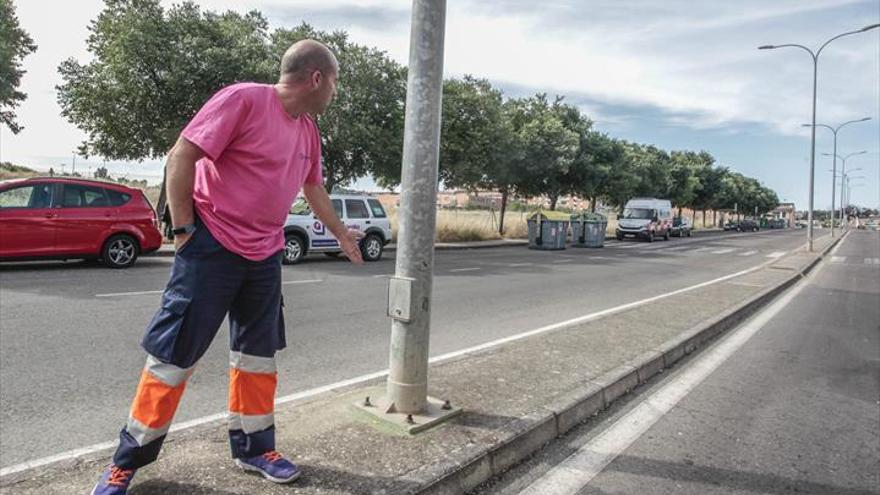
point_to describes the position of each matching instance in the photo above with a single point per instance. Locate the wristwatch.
(184, 229)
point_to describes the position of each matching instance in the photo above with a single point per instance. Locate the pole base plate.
(436, 412)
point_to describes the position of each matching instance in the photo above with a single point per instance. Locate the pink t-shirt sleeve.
(316, 172)
(216, 124)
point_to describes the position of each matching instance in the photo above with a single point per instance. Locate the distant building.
(785, 211)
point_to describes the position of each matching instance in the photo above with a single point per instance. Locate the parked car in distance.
(731, 225)
(304, 233)
(70, 218)
(748, 224)
(681, 227)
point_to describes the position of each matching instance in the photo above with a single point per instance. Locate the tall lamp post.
(843, 173)
(849, 188)
(834, 167)
(815, 56)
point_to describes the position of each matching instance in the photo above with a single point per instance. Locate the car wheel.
(371, 248)
(689, 232)
(666, 235)
(120, 251)
(294, 249)
(650, 236)
(620, 238)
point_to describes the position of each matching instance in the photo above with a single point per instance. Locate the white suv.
(304, 233)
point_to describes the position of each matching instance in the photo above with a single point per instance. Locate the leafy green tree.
(472, 135)
(152, 70)
(548, 147)
(15, 45)
(362, 131)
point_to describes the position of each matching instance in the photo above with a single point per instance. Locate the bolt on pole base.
(436, 412)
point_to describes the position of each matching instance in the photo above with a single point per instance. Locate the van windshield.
(300, 207)
(638, 213)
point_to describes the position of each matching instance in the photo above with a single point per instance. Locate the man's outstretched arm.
(320, 203)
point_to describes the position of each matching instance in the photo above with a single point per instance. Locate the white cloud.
(697, 62)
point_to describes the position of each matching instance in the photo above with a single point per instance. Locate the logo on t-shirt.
(304, 157)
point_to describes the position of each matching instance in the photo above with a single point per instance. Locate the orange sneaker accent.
(251, 394)
(119, 476)
(155, 402)
(272, 456)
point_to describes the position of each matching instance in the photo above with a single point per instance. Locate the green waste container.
(588, 229)
(548, 230)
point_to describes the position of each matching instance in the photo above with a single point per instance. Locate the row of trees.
(153, 67)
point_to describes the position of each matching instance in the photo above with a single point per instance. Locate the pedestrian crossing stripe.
(872, 261)
(724, 251)
(838, 259)
(748, 253)
(776, 254)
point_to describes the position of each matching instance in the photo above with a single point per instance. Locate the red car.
(61, 218)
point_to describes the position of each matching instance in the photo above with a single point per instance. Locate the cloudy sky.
(675, 73)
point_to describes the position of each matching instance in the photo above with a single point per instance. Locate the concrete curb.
(530, 433)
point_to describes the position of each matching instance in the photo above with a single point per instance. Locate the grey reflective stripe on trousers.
(144, 434)
(168, 374)
(252, 364)
(250, 424)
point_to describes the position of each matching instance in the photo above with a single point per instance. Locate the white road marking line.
(838, 259)
(745, 284)
(629, 246)
(520, 264)
(724, 251)
(776, 254)
(75, 453)
(297, 282)
(465, 269)
(125, 294)
(576, 471)
(601, 258)
(872, 261)
(563, 261)
(702, 249)
(748, 253)
(677, 248)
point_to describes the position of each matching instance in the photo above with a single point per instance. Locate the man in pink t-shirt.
(231, 178)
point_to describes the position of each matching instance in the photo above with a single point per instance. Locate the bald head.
(305, 57)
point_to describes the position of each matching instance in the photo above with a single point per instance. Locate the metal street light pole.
(834, 167)
(843, 173)
(410, 296)
(815, 56)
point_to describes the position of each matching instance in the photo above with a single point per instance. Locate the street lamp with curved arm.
(843, 173)
(834, 166)
(815, 56)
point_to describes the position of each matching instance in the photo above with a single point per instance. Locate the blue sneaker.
(272, 465)
(114, 481)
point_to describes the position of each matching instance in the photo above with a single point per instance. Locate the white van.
(304, 233)
(645, 218)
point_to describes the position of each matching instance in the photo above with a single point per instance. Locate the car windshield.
(300, 207)
(637, 214)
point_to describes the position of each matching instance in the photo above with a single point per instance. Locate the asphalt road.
(796, 409)
(69, 332)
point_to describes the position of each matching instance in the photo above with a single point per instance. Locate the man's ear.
(316, 78)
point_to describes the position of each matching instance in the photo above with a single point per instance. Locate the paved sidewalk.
(516, 397)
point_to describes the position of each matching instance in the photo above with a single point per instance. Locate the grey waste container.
(588, 229)
(548, 230)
